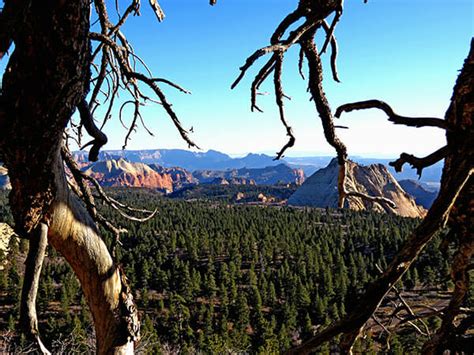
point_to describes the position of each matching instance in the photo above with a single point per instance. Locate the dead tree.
(57, 66)
(452, 205)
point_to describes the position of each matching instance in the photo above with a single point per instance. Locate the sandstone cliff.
(123, 173)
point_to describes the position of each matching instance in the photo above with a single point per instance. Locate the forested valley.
(211, 277)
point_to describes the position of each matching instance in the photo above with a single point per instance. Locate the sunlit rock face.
(320, 189)
(123, 173)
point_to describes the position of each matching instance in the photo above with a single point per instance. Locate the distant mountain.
(422, 193)
(270, 175)
(210, 160)
(214, 160)
(320, 189)
(123, 173)
(4, 180)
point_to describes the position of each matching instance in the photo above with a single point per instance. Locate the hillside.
(120, 172)
(270, 175)
(320, 189)
(422, 193)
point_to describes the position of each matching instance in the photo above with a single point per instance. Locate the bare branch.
(419, 163)
(315, 85)
(300, 63)
(334, 51)
(259, 79)
(290, 19)
(392, 116)
(133, 77)
(279, 101)
(100, 139)
(330, 32)
(160, 15)
(170, 83)
(281, 46)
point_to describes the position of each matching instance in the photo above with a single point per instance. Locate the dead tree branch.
(100, 139)
(392, 116)
(420, 163)
(303, 35)
(334, 51)
(131, 80)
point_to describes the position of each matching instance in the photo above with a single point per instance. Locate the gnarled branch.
(419, 163)
(100, 139)
(392, 116)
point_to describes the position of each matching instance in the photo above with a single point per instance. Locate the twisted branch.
(392, 116)
(419, 163)
(100, 139)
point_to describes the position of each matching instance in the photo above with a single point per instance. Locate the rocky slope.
(180, 177)
(424, 196)
(320, 189)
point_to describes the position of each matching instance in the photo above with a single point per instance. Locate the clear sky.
(405, 52)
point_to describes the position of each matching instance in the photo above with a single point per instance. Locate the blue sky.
(405, 52)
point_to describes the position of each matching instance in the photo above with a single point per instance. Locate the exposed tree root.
(33, 265)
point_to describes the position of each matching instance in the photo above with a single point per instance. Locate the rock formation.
(424, 196)
(270, 175)
(320, 189)
(123, 173)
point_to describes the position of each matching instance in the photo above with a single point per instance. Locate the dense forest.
(215, 277)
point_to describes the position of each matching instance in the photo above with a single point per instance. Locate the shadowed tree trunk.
(47, 76)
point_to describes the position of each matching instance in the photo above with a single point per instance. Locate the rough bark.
(46, 78)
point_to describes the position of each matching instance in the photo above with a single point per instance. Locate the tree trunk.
(47, 75)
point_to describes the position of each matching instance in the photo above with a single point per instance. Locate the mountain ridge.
(215, 160)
